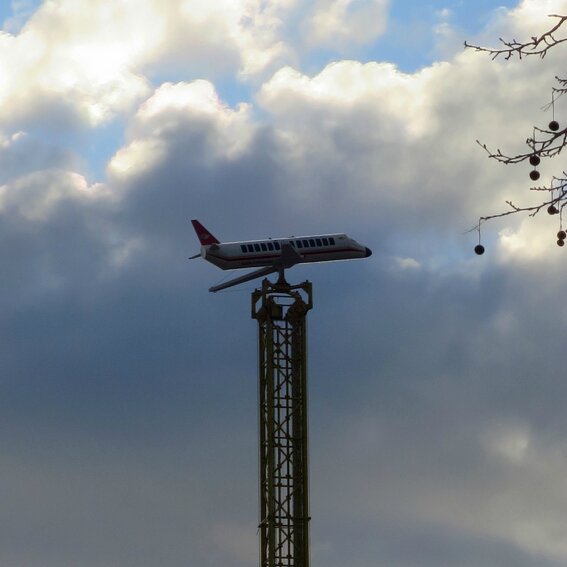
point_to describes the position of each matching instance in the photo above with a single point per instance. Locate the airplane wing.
(245, 278)
(288, 258)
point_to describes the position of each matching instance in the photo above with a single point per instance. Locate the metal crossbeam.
(281, 310)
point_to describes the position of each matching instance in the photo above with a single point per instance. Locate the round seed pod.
(479, 249)
(561, 243)
(562, 235)
(552, 210)
(534, 175)
(554, 125)
(535, 160)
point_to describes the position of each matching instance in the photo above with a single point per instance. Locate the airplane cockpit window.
(305, 243)
(264, 247)
(312, 242)
(270, 246)
(257, 247)
(250, 248)
(299, 245)
(325, 241)
(243, 248)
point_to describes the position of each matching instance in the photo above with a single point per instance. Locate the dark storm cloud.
(23, 154)
(129, 392)
(107, 386)
(423, 424)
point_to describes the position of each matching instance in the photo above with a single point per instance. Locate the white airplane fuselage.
(259, 253)
(274, 254)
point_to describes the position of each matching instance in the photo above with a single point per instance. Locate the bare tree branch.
(553, 205)
(545, 142)
(536, 46)
(551, 145)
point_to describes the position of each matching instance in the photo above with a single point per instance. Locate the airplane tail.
(205, 237)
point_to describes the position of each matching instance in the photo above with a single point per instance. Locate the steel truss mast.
(281, 311)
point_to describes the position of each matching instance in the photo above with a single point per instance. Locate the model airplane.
(274, 254)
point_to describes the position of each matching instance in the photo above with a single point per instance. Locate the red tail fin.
(205, 237)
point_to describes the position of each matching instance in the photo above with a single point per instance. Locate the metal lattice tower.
(281, 310)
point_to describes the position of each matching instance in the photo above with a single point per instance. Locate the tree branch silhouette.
(545, 142)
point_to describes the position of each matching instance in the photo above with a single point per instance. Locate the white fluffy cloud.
(194, 107)
(341, 23)
(93, 59)
(72, 55)
(363, 121)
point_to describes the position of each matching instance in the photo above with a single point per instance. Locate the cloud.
(191, 108)
(437, 441)
(341, 23)
(78, 55)
(346, 129)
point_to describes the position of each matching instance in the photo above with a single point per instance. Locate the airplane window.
(306, 243)
(270, 246)
(264, 247)
(325, 242)
(299, 245)
(332, 241)
(243, 248)
(277, 245)
(257, 247)
(318, 241)
(250, 248)
(312, 242)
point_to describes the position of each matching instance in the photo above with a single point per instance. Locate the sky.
(128, 393)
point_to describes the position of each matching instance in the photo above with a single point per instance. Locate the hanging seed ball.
(554, 125)
(534, 175)
(561, 243)
(479, 249)
(552, 210)
(562, 235)
(534, 160)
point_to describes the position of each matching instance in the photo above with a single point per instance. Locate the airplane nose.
(368, 252)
